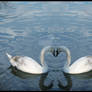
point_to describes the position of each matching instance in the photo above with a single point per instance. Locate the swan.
(81, 65)
(29, 65)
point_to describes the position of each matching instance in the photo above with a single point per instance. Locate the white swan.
(29, 65)
(82, 65)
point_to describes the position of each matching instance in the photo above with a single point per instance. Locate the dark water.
(27, 27)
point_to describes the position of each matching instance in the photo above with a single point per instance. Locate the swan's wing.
(28, 64)
(27, 61)
(83, 64)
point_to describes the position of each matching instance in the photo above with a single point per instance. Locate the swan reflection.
(23, 75)
(43, 87)
(87, 75)
(42, 80)
(68, 86)
(20, 74)
(49, 86)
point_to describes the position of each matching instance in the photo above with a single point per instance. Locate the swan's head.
(60, 49)
(51, 49)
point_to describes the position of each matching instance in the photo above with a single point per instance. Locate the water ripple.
(27, 27)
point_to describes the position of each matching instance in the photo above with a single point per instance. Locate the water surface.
(27, 27)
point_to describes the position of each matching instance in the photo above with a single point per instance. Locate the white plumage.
(29, 65)
(82, 65)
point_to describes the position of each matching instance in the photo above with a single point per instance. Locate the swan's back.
(27, 64)
(83, 64)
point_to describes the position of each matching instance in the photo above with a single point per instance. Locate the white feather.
(29, 65)
(82, 65)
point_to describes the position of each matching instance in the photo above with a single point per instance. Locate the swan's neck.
(42, 56)
(67, 51)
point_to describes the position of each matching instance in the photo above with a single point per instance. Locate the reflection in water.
(69, 82)
(87, 75)
(41, 83)
(23, 75)
(43, 77)
(49, 87)
(82, 81)
(20, 74)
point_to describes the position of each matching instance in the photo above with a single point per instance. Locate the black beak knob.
(55, 53)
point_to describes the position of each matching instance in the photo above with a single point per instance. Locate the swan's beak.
(55, 53)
